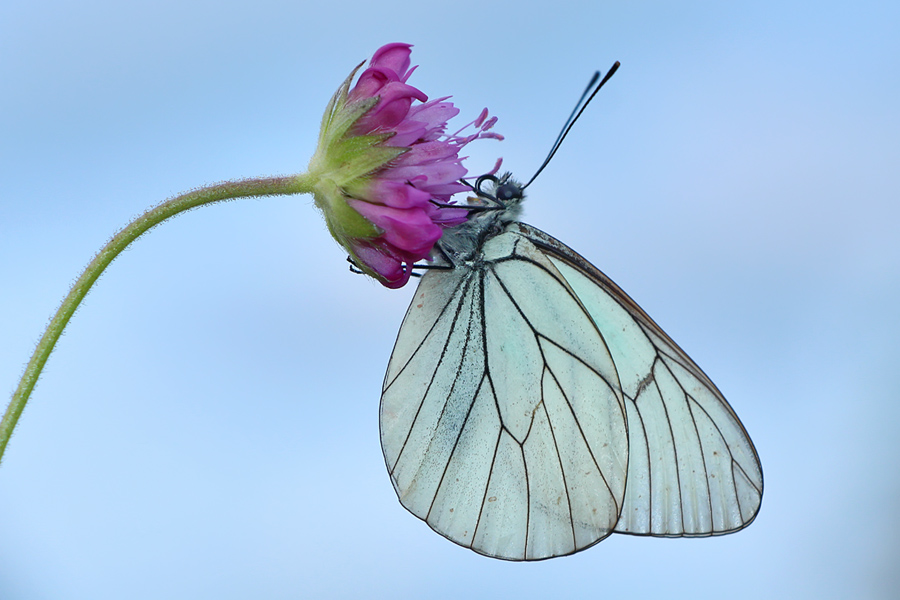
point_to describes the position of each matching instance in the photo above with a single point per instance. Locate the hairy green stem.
(273, 186)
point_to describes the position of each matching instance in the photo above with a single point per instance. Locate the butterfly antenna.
(589, 92)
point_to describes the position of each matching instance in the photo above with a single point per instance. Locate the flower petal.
(434, 173)
(391, 269)
(393, 193)
(434, 114)
(410, 230)
(447, 217)
(394, 101)
(427, 152)
(393, 56)
(406, 134)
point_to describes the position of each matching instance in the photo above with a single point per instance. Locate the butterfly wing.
(693, 470)
(502, 423)
(524, 386)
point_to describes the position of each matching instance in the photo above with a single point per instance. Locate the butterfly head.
(497, 203)
(503, 192)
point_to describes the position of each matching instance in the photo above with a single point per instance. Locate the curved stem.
(272, 186)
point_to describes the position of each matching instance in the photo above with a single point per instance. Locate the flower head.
(384, 163)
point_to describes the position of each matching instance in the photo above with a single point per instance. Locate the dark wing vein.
(674, 447)
(431, 379)
(440, 316)
(487, 486)
(453, 451)
(687, 400)
(562, 469)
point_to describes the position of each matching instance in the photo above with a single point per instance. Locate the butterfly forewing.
(502, 421)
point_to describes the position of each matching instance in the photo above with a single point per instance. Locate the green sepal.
(360, 156)
(345, 116)
(353, 224)
(343, 221)
(337, 102)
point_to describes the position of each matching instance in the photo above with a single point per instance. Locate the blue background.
(207, 427)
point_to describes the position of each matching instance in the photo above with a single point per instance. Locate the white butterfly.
(531, 408)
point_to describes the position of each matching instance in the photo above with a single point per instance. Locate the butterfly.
(531, 408)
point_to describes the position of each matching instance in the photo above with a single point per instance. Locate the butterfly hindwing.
(693, 470)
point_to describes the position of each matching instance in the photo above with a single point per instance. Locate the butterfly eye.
(509, 191)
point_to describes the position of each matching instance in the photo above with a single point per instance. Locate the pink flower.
(385, 162)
